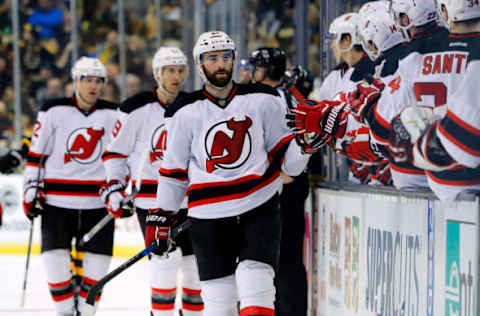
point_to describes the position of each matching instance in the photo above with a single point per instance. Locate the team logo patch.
(228, 144)
(158, 143)
(84, 145)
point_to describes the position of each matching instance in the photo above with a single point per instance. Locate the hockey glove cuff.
(113, 195)
(33, 198)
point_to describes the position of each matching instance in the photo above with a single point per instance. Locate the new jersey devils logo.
(228, 144)
(84, 145)
(158, 143)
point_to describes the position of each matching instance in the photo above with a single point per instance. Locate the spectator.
(69, 90)
(108, 52)
(53, 90)
(111, 92)
(5, 122)
(48, 17)
(133, 85)
(5, 73)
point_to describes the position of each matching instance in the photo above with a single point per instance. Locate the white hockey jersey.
(72, 142)
(140, 140)
(400, 93)
(227, 154)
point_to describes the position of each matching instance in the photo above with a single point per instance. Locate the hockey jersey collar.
(84, 112)
(428, 32)
(164, 105)
(221, 102)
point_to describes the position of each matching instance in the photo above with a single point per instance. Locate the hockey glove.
(113, 195)
(407, 127)
(159, 225)
(325, 117)
(363, 100)
(383, 173)
(33, 198)
(357, 146)
(10, 162)
(361, 172)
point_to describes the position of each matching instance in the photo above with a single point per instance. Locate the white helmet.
(168, 56)
(419, 12)
(381, 30)
(88, 66)
(373, 6)
(345, 24)
(210, 42)
(460, 10)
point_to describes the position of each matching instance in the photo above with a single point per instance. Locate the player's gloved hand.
(327, 117)
(361, 172)
(113, 195)
(364, 99)
(33, 198)
(383, 173)
(357, 146)
(159, 225)
(407, 127)
(310, 143)
(10, 162)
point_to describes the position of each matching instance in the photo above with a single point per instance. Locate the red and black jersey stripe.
(72, 187)
(406, 167)
(148, 189)
(34, 159)
(379, 126)
(459, 176)
(179, 174)
(111, 155)
(461, 133)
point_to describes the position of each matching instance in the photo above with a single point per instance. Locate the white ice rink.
(127, 294)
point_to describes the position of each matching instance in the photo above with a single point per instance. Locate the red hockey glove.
(326, 117)
(113, 195)
(357, 146)
(159, 224)
(33, 198)
(383, 173)
(310, 143)
(361, 172)
(364, 99)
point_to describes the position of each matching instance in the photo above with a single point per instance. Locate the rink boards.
(383, 253)
(15, 227)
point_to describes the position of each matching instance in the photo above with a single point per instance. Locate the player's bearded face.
(219, 77)
(218, 67)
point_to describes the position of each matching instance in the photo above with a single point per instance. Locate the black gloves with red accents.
(33, 198)
(158, 230)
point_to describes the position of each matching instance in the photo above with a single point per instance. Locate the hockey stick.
(89, 307)
(37, 205)
(129, 199)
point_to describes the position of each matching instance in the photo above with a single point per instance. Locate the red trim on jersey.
(215, 100)
(35, 165)
(89, 281)
(62, 297)
(179, 174)
(463, 124)
(457, 142)
(112, 155)
(465, 35)
(70, 181)
(257, 311)
(60, 284)
(233, 196)
(223, 183)
(425, 33)
(406, 170)
(164, 291)
(279, 146)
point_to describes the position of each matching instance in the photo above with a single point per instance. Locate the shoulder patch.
(57, 102)
(137, 101)
(106, 105)
(364, 67)
(183, 99)
(256, 88)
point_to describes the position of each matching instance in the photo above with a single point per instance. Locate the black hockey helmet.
(301, 78)
(272, 58)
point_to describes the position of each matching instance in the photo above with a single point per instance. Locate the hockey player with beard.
(269, 65)
(64, 173)
(140, 129)
(449, 148)
(226, 148)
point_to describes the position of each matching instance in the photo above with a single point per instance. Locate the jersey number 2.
(437, 90)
